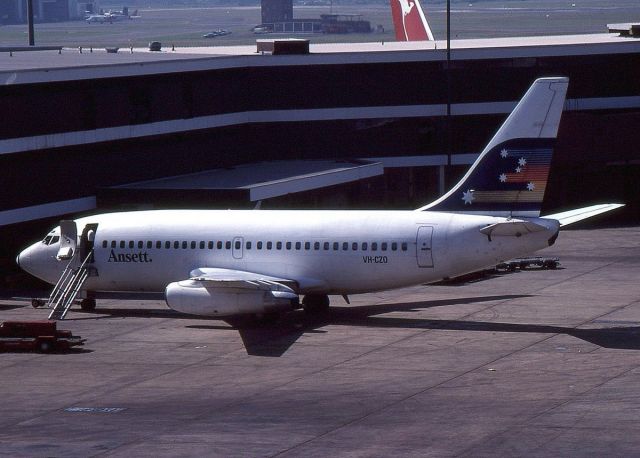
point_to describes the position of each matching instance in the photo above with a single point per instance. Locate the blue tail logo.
(510, 177)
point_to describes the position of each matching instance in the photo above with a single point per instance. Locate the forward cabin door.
(68, 240)
(423, 246)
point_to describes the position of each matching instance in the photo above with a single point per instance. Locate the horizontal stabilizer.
(511, 228)
(579, 214)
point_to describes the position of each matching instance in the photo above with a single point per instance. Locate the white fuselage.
(324, 252)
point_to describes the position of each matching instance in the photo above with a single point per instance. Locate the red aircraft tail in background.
(409, 21)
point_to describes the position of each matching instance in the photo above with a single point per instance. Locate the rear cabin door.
(423, 246)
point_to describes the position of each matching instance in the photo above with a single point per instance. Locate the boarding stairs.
(69, 285)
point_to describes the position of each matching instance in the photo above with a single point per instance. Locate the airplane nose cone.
(24, 259)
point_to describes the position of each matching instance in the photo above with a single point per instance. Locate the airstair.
(69, 285)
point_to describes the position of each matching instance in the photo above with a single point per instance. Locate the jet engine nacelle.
(194, 298)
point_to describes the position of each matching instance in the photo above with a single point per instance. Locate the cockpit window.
(51, 239)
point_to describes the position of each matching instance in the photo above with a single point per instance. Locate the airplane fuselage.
(325, 252)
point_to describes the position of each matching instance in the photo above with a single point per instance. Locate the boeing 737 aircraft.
(231, 262)
(409, 21)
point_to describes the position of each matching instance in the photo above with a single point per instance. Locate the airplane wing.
(225, 292)
(212, 277)
(579, 214)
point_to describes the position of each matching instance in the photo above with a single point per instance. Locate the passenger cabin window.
(122, 243)
(404, 246)
(326, 246)
(202, 245)
(219, 245)
(269, 245)
(365, 245)
(374, 246)
(345, 246)
(394, 246)
(336, 246)
(211, 245)
(259, 245)
(184, 244)
(227, 245)
(279, 246)
(354, 246)
(383, 246)
(298, 245)
(193, 245)
(158, 244)
(113, 244)
(131, 244)
(104, 244)
(176, 245)
(248, 245)
(316, 246)
(167, 245)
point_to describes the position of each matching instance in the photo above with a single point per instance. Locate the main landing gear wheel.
(315, 303)
(88, 304)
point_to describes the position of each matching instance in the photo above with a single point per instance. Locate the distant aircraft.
(101, 18)
(217, 33)
(223, 263)
(111, 17)
(409, 21)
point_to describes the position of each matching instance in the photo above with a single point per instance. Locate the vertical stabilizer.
(409, 21)
(509, 178)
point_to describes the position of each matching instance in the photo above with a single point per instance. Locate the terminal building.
(15, 11)
(377, 125)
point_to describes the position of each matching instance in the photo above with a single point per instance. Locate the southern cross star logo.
(531, 186)
(504, 153)
(503, 177)
(468, 197)
(522, 162)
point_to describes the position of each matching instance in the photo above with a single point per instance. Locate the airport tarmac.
(535, 363)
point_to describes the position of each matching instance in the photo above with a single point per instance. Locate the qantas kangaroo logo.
(405, 6)
(409, 21)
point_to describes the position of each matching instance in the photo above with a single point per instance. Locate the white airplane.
(223, 263)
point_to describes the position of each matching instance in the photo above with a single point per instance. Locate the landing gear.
(315, 303)
(88, 304)
(35, 303)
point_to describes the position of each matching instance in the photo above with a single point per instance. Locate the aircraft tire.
(88, 305)
(35, 303)
(313, 303)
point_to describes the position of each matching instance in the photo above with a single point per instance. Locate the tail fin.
(509, 178)
(409, 21)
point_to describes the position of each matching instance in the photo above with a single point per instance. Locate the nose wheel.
(36, 303)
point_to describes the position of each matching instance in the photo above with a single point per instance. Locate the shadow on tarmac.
(273, 339)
